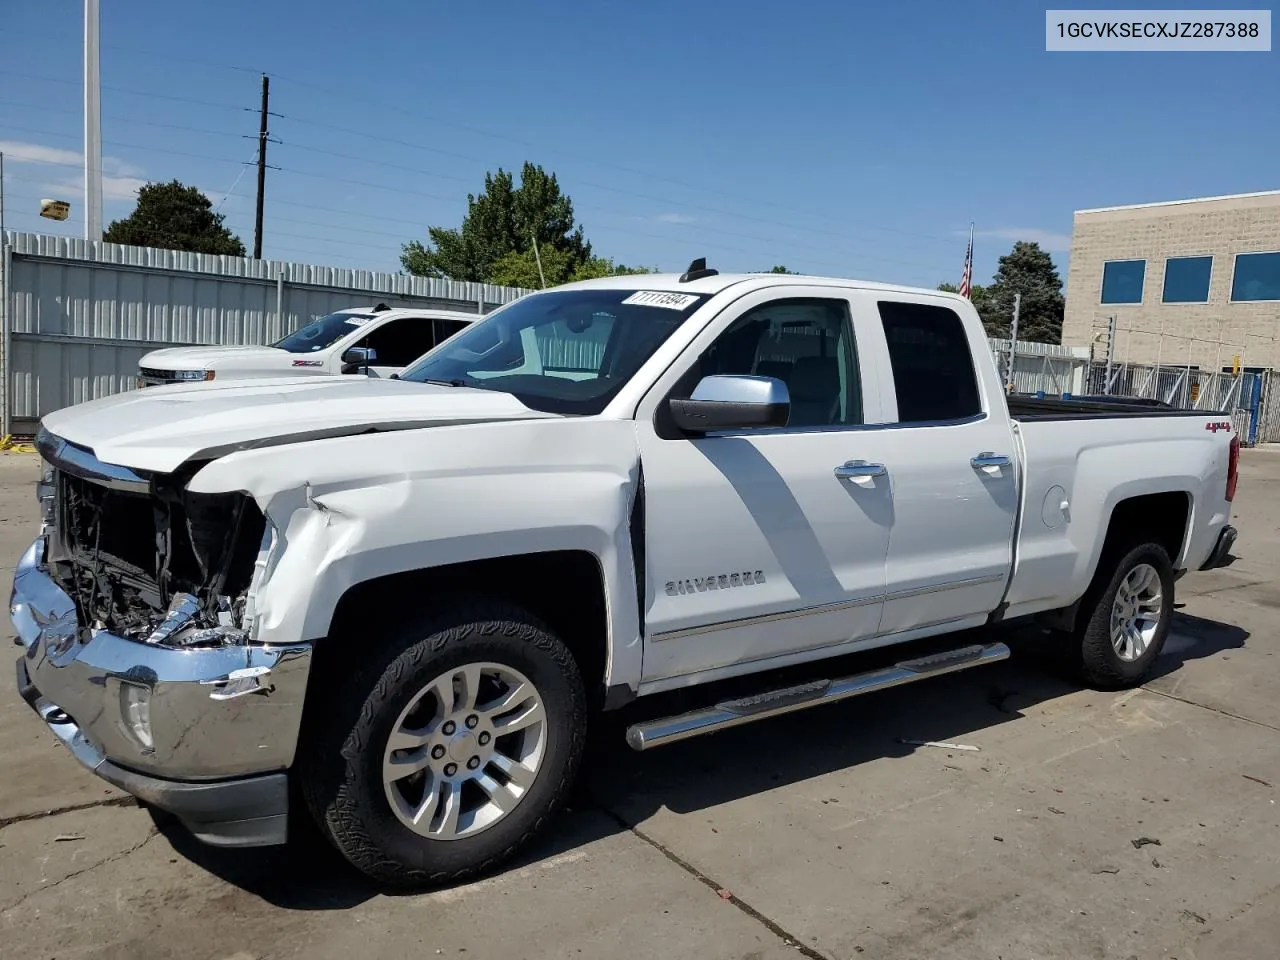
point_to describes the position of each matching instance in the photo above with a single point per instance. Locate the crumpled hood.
(217, 358)
(160, 428)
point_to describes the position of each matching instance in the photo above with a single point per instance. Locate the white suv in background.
(376, 341)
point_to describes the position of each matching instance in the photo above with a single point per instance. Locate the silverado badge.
(717, 581)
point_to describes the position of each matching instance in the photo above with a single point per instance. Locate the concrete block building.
(1188, 281)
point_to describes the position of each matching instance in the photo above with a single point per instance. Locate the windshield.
(565, 351)
(322, 333)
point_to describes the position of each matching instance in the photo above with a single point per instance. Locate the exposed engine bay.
(169, 567)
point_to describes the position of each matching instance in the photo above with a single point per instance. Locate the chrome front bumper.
(216, 756)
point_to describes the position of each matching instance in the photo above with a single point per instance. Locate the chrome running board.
(734, 713)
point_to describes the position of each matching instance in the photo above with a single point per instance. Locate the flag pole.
(966, 281)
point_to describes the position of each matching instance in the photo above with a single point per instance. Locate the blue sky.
(836, 138)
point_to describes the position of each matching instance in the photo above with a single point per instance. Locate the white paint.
(457, 474)
(249, 362)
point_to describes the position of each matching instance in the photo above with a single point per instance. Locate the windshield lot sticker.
(357, 321)
(657, 298)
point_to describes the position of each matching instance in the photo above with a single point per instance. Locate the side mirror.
(733, 403)
(359, 356)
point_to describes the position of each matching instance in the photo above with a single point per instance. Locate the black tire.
(1099, 663)
(340, 764)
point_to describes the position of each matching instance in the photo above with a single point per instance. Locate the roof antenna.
(697, 270)
(380, 308)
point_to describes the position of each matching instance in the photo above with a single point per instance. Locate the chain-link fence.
(1248, 396)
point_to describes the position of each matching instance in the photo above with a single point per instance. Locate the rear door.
(948, 447)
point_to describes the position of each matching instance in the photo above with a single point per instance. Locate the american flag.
(966, 281)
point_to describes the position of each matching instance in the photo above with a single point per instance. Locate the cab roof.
(380, 309)
(672, 282)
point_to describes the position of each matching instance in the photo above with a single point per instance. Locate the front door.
(756, 545)
(397, 343)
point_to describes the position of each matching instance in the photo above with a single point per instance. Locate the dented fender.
(348, 510)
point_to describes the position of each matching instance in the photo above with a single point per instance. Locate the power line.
(589, 184)
(420, 173)
(601, 186)
(115, 143)
(700, 187)
(117, 117)
(128, 90)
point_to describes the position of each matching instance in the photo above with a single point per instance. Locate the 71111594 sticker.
(659, 298)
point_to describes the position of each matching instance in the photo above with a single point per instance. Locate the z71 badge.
(718, 581)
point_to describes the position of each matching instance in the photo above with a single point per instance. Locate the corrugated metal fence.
(77, 316)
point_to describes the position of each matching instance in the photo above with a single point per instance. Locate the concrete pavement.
(817, 834)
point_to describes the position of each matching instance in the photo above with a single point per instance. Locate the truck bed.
(1028, 408)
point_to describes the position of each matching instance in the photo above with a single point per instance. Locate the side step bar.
(734, 713)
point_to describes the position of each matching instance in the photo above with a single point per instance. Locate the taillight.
(1233, 466)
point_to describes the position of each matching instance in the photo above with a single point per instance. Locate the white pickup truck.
(377, 341)
(408, 597)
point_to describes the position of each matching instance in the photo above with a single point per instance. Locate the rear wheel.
(452, 750)
(1126, 617)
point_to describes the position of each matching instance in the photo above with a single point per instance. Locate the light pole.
(92, 126)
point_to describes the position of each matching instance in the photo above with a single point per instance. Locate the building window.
(1122, 281)
(1257, 277)
(1186, 279)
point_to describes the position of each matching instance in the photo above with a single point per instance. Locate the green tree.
(777, 269)
(978, 296)
(501, 221)
(175, 217)
(1026, 269)
(520, 269)
(605, 267)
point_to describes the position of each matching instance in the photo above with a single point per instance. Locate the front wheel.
(1128, 618)
(440, 761)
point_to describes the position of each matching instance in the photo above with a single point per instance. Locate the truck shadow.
(619, 788)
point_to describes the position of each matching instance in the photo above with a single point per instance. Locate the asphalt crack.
(151, 835)
(73, 808)
(1204, 706)
(789, 939)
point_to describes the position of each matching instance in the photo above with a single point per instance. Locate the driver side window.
(807, 343)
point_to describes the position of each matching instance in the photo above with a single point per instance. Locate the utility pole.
(92, 126)
(1013, 341)
(4, 314)
(262, 167)
(538, 257)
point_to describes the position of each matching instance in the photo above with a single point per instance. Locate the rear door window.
(933, 373)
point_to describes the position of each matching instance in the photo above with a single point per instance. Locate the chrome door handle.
(857, 469)
(989, 459)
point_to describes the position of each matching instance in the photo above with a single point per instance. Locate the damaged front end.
(136, 610)
(150, 561)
